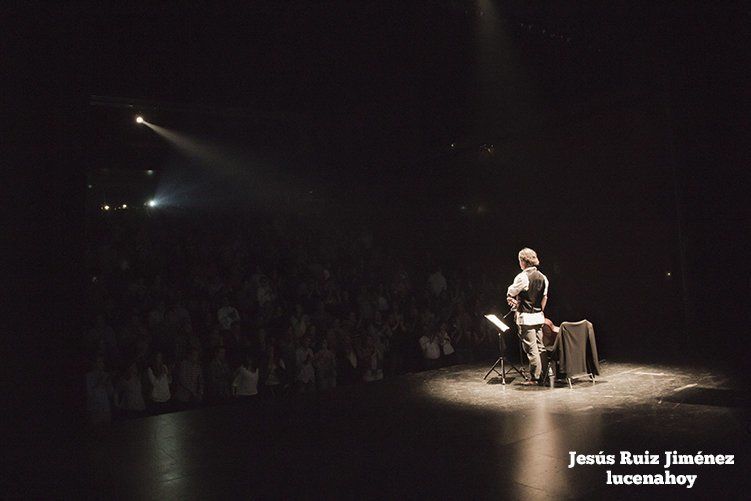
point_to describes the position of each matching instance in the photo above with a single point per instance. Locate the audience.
(244, 308)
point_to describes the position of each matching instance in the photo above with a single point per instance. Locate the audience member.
(190, 384)
(430, 344)
(129, 394)
(160, 379)
(99, 391)
(218, 376)
(325, 366)
(245, 382)
(305, 371)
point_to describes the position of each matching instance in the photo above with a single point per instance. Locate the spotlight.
(149, 172)
(139, 119)
(125, 206)
(151, 203)
(106, 207)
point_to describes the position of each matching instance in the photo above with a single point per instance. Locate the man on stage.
(528, 295)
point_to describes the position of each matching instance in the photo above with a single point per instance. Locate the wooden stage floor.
(439, 434)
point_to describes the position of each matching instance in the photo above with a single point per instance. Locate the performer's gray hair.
(529, 257)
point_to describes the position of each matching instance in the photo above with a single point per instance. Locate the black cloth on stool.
(577, 349)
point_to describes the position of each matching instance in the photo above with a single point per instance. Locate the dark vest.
(530, 300)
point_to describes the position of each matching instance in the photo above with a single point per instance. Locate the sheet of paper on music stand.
(497, 322)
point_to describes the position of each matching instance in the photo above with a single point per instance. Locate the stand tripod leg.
(503, 372)
(493, 368)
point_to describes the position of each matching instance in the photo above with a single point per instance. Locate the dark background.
(608, 136)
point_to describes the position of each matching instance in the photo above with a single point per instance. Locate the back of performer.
(529, 295)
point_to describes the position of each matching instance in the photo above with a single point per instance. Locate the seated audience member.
(245, 383)
(160, 380)
(218, 376)
(398, 343)
(236, 344)
(325, 366)
(129, 395)
(305, 370)
(98, 393)
(190, 384)
(275, 371)
(347, 364)
(371, 356)
(431, 350)
(446, 347)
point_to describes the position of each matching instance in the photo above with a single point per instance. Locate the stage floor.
(439, 434)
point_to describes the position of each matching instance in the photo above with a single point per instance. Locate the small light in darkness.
(139, 119)
(106, 207)
(149, 172)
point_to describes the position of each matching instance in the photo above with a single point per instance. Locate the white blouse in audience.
(246, 382)
(431, 348)
(131, 394)
(160, 391)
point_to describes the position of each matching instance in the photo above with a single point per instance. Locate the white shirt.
(246, 382)
(446, 344)
(159, 386)
(521, 283)
(430, 348)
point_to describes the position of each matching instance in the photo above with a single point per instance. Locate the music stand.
(501, 360)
